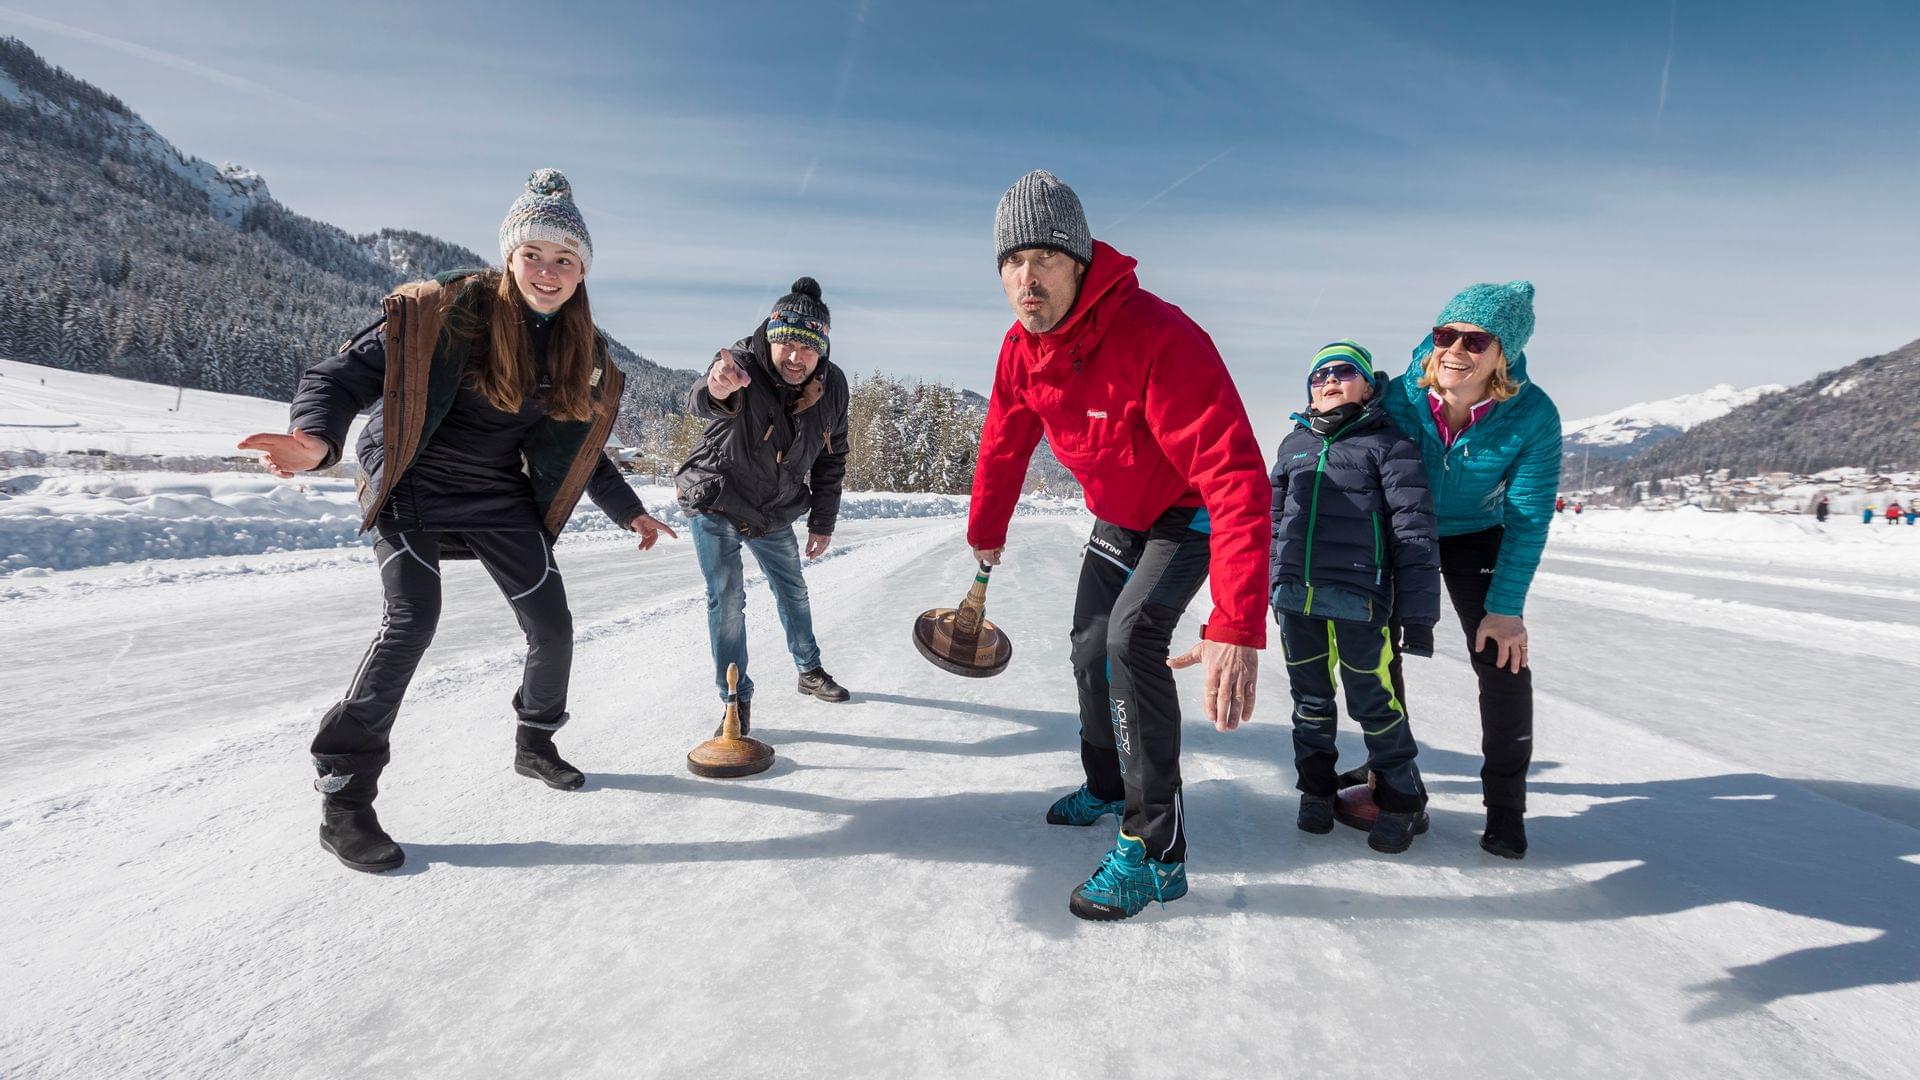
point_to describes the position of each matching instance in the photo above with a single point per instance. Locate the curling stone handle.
(731, 729)
(973, 609)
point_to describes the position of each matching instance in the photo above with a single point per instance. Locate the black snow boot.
(821, 685)
(1393, 831)
(1401, 818)
(746, 720)
(1506, 834)
(348, 827)
(1316, 813)
(534, 755)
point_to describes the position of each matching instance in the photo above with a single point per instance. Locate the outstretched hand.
(1232, 671)
(284, 455)
(725, 376)
(650, 529)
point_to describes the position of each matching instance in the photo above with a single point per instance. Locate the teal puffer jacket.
(1504, 470)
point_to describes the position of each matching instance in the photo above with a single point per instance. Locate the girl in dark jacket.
(481, 441)
(1354, 560)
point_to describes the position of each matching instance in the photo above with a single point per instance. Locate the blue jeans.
(716, 542)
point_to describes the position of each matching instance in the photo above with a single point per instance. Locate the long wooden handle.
(732, 727)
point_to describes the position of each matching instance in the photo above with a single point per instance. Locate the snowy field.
(1725, 825)
(1722, 883)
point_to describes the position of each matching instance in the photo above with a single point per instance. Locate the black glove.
(1416, 640)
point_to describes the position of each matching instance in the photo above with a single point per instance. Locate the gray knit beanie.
(1040, 211)
(545, 211)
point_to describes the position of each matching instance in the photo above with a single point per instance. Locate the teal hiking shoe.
(1082, 808)
(1126, 883)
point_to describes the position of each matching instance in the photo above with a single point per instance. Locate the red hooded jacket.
(1135, 400)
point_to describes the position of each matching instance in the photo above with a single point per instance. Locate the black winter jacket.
(472, 466)
(1353, 528)
(773, 452)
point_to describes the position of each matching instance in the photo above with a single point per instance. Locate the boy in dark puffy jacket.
(1355, 574)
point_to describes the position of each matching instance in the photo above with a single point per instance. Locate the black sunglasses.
(1476, 341)
(1327, 374)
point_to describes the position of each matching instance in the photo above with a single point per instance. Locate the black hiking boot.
(1316, 814)
(535, 755)
(1506, 834)
(821, 685)
(1393, 831)
(746, 720)
(349, 830)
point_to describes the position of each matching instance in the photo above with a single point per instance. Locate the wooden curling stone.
(730, 754)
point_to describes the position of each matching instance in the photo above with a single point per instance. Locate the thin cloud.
(169, 60)
(842, 84)
(1666, 69)
(1170, 188)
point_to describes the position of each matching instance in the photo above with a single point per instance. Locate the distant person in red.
(1135, 400)
(1893, 513)
(1578, 506)
(1559, 503)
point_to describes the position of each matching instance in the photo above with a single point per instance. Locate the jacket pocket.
(1104, 431)
(1379, 549)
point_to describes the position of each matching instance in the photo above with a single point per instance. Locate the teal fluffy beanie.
(1506, 310)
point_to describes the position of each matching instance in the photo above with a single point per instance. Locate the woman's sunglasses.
(1323, 375)
(1476, 341)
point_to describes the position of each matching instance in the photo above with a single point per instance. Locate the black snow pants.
(1506, 699)
(1134, 586)
(353, 735)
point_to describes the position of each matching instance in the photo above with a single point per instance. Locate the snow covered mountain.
(1860, 415)
(1625, 432)
(133, 257)
(231, 191)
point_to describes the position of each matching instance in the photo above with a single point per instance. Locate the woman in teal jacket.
(1490, 440)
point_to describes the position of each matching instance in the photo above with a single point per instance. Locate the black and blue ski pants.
(1322, 654)
(1134, 586)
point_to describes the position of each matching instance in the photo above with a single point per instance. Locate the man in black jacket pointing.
(776, 449)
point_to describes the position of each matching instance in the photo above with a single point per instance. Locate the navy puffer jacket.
(1353, 526)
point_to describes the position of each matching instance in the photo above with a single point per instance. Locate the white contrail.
(1666, 69)
(840, 86)
(1170, 188)
(170, 60)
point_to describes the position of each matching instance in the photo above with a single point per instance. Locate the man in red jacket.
(1135, 400)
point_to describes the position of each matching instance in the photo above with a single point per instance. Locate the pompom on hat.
(800, 317)
(545, 211)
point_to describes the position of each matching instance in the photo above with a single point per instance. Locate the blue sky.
(1701, 193)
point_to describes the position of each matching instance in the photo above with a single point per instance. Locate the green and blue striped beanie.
(1348, 352)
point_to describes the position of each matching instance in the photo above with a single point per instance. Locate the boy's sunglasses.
(1476, 341)
(1327, 374)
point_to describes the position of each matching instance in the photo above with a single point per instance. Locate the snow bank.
(92, 519)
(1777, 539)
(49, 411)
